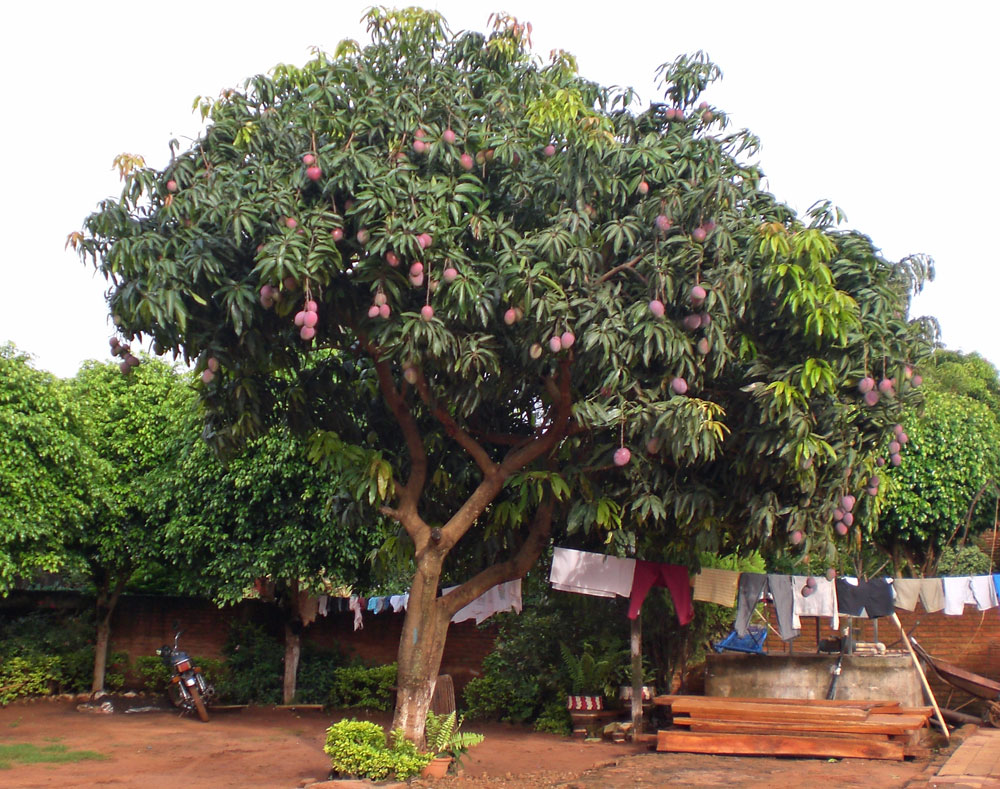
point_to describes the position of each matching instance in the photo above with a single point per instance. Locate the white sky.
(885, 108)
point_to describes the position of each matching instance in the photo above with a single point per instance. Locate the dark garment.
(874, 597)
(674, 577)
(780, 587)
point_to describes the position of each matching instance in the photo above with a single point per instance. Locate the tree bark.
(293, 642)
(421, 648)
(106, 602)
(293, 650)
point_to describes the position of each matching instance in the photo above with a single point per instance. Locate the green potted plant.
(590, 678)
(446, 743)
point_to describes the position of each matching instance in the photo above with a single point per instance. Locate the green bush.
(965, 560)
(317, 674)
(49, 652)
(554, 719)
(358, 749)
(254, 667)
(363, 687)
(153, 676)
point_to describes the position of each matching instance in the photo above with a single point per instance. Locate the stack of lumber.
(792, 727)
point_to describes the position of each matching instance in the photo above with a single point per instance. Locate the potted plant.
(447, 744)
(590, 678)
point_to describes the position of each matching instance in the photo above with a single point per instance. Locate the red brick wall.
(143, 623)
(970, 641)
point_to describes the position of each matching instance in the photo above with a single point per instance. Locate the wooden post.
(923, 677)
(636, 646)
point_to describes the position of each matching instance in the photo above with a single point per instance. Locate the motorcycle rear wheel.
(199, 703)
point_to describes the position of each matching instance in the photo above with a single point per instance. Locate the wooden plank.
(776, 745)
(763, 712)
(790, 729)
(848, 727)
(667, 700)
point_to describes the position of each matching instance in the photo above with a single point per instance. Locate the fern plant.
(589, 674)
(443, 737)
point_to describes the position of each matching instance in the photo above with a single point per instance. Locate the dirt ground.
(283, 749)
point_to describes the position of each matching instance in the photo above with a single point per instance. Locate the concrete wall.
(785, 676)
(971, 641)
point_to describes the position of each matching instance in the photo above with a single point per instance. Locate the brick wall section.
(970, 641)
(143, 623)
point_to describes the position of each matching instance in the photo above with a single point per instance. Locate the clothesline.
(502, 597)
(793, 596)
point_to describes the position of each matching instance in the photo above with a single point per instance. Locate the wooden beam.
(790, 730)
(880, 726)
(776, 745)
(723, 710)
(667, 700)
(635, 643)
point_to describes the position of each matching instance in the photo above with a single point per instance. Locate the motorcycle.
(188, 688)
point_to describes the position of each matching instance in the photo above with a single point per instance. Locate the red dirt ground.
(283, 749)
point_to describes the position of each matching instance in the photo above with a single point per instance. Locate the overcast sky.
(887, 109)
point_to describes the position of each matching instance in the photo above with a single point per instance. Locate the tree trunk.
(293, 650)
(105, 608)
(101, 652)
(421, 647)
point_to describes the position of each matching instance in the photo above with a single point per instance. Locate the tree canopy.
(953, 455)
(513, 292)
(49, 473)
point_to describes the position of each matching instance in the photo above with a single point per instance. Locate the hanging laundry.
(355, 604)
(308, 607)
(929, 591)
(996, 584)
(752, 587)
(502, 597)
(871, 598)
(593, 574)
(323, 606)
(716, 586)
(820, 601)
(963, 590)
(673, 576)
(396, 601)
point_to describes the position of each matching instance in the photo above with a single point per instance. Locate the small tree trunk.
(105, 608)
(293, 650)
(421, 647)
(101, 652)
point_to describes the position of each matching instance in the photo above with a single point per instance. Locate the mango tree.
(524, 300)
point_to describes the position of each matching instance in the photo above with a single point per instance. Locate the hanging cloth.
(589, 573)
(502, 597)
(821, 601)
(871, 598)
(716, 586)
(752, 588)
(929, 591)
(672, 576)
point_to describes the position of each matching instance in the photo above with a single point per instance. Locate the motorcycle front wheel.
(199, 703)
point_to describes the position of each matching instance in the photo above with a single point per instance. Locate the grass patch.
(29, 753)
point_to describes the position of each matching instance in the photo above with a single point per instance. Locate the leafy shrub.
(526, 670)
(254, 666)
(965, 560)
(358, 749)
(28, 676)
(363, 687)
(153, 676)
(554, 719)
(49, 652)
(317, 674)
